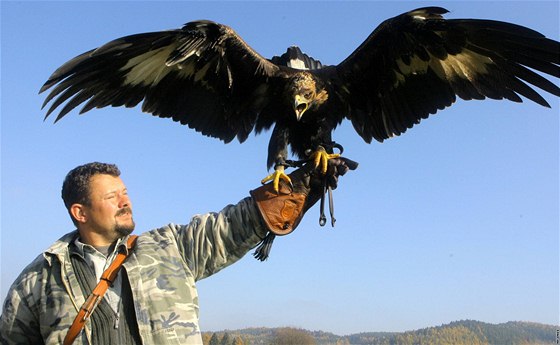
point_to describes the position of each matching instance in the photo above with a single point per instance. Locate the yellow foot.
(276, 176)
(321, 158)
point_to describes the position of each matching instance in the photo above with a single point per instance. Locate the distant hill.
(465, 332)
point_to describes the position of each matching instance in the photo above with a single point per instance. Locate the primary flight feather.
(206, 77)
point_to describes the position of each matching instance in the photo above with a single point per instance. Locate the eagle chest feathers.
(304, 122)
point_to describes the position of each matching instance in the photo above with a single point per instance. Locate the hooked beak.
(300, 106)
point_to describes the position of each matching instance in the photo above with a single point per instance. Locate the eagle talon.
(276, 176)
(321, 159)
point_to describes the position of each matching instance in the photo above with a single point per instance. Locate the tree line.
(466, 332)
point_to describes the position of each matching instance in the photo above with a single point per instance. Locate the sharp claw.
(324, 163)
(321, 159)
(276, 176)
(317, 159)
(276, 182)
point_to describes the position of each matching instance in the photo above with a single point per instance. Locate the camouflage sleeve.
(213, 241)
(19, 321)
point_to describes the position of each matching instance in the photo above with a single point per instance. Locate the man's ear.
(78, 212)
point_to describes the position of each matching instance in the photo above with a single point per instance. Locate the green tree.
(226, 339)
(214, 340)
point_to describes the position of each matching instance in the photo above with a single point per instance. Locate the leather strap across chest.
(98, 292)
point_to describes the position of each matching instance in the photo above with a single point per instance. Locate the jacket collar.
(60, 247)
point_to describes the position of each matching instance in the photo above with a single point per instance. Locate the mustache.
(123, 210)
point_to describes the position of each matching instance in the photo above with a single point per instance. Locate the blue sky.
(456, 219)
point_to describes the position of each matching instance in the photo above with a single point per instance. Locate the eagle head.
(305, 92)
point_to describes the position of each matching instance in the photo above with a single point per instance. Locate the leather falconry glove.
(283, 211)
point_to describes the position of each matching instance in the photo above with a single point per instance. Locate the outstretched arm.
(213, 241)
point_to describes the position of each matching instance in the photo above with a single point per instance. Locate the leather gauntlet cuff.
(281, 211)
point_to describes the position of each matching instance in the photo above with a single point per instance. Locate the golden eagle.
(205, 76)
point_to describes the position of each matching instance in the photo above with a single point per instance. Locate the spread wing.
(202, 75)
(417, 63)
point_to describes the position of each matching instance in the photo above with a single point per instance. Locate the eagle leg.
(277, 175)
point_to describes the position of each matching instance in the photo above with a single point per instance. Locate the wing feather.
(415, 64)
(203, 75)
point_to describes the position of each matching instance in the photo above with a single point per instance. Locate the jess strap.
(98, 292)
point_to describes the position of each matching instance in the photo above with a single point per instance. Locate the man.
(153, 299)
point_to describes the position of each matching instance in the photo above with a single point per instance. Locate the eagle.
(411, 66)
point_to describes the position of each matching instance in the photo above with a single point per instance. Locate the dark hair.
(75, 188)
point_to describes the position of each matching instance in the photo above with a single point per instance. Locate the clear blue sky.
(456, 219)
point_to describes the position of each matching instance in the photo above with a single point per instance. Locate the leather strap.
(98, 292)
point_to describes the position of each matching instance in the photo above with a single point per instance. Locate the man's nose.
(124, 201)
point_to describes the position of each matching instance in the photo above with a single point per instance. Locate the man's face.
(109, 214)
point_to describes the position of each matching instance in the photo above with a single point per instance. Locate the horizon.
(381, 332)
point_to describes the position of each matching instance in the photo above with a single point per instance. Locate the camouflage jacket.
(162, 271)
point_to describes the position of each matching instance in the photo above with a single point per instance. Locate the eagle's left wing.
(203, 75)
(417, 63)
